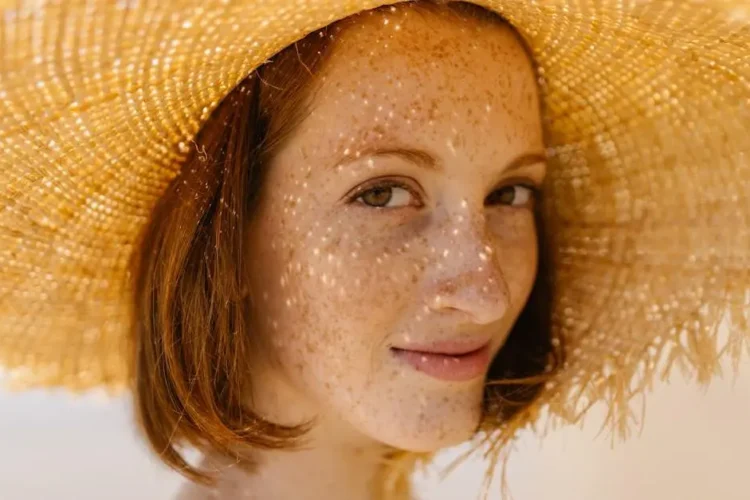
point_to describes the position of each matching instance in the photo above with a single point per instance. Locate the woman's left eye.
(515, 195)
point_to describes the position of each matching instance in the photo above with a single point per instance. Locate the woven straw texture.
(647, 110)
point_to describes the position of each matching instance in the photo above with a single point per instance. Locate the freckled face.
(395, 229)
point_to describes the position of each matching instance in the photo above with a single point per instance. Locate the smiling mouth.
(449, 363)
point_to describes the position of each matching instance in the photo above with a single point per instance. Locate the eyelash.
(535, 191)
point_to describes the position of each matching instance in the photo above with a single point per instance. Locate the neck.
(332, 462)
(317, 471)
(321, 471)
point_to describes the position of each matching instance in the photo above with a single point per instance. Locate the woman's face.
(394, 245)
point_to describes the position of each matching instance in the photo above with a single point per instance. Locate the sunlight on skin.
(440, 260)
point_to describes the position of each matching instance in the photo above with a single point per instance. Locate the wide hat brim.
(646, 109)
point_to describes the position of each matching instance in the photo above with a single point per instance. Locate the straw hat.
(647, 110)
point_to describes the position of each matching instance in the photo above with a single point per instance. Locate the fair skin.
(351, 286)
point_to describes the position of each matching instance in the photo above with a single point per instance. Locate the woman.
(326, 240)
(374, 262)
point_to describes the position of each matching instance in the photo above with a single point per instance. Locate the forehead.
(394, 72)
(418, 47)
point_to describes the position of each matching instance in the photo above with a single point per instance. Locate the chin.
(425, 420)
(433, 440)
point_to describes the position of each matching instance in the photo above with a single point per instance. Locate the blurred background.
(695, 445)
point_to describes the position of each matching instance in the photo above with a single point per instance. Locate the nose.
(466, 273)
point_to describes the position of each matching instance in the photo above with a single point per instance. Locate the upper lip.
(448, 347)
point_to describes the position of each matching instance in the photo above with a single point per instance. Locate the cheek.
(365, 271)
(343, 291)
(516, 246)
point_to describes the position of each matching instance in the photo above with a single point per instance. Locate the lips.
(448, 361)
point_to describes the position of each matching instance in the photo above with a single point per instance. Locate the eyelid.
(383, 181)
(525, 181)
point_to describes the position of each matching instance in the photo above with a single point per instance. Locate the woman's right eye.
(384, 195)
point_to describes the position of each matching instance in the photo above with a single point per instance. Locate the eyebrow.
(426, 160)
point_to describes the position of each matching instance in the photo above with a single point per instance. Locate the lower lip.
(448, 367)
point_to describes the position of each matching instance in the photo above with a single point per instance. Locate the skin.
(336, 283)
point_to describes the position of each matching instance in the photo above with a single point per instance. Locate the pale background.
(695, 446)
